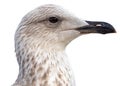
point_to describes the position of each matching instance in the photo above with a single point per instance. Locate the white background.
(95, 58)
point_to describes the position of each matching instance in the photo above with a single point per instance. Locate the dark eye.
(53, 19)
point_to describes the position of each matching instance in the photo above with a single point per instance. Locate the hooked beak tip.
(97, 27)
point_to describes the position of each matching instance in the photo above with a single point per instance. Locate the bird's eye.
(53, 19)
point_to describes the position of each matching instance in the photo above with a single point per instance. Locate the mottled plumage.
(40, 42)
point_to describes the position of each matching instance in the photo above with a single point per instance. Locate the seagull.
(40, 42)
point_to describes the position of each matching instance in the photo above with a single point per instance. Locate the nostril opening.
(98, 25)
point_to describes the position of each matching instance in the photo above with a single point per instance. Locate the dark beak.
(97, 27)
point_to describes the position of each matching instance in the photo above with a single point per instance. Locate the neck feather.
(44, 67)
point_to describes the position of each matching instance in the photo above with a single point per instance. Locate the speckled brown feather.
(40, 45)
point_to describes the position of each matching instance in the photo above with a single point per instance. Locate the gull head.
(51, 25)
(40, 40)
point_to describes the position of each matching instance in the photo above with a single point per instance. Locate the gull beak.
(97, 27)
